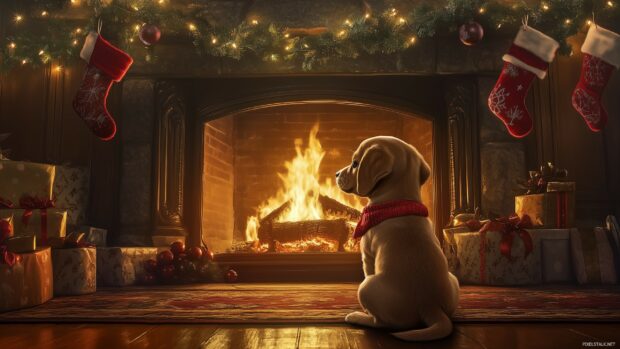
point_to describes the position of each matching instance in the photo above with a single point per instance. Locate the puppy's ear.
(425, 171)
(376, 163)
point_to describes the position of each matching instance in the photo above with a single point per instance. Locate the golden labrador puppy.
(407, 286)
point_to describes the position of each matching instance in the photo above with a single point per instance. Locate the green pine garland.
(59, 40)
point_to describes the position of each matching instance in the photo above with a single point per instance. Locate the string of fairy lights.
(37, 35)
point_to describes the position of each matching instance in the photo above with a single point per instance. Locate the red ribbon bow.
(509, 227)
(7, 257)
(30, 203)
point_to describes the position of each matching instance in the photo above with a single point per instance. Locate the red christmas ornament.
(208, 256)
(149, 34)
(231, 275)
(177, 247)
(164, 258)
(471, 33)
(194, 253)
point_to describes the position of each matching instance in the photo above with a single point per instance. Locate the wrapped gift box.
(548, 210)
(28, 282)
(71, 191)
(44, 224)
(450, 246)
(18, 178)
(593, 256)
(480, 260)
(95, 236)
(122, 266)
(75, 271)
(21, 244)
(555, 254)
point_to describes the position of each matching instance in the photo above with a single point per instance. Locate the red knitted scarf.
(375, 214)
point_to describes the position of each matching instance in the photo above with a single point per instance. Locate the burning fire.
(301, 187)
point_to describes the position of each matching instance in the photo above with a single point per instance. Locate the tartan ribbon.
(31, 203)
(509, 227)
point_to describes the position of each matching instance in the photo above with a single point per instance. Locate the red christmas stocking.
(529, 56)
(601, 54)
(106, 64)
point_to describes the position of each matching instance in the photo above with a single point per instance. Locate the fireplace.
(268, 175)
(235, 157)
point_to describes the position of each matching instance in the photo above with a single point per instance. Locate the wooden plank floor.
(113, 336)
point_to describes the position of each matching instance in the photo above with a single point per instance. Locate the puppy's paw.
(360, 318)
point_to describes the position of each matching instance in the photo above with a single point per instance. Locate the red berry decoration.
(150, 266)
(231, 275)
(208, 256)
(149, 34)
(471, 33)
(194, 253)
(177, 247)
(164, 258)
(167, 272)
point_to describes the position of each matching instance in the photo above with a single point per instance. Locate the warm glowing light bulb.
(306, 46)
(74, 43)
(214, 41)
(481, 10)
(135, 7)
(545, 7)
(78, 30)
(41, 53)
(347, 22)
(412, 40)
(610, 3)
(274, 57)
(12, 45)
(18, 18)
(24, 61)
(130, 39)
(191, 26)
(567, 21)
(589, 22)
(341, 33)
(58, 68)
(254, 21)
(401, 20)
(287, 35)
(75, 2)
(44, 13)
(137, 27)
(161, 2)
(234, 45)
(367, 15)
(288, 48)
(499, 26)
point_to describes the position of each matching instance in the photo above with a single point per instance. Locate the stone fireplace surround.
(162, 151)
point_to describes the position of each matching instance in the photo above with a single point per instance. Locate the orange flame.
(301, 187)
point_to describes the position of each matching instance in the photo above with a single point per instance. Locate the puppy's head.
(383, 165)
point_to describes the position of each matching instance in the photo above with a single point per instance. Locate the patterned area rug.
(299, 303)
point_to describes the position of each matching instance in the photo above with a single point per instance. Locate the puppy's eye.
(355, 164)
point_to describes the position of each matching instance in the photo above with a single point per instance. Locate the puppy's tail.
(439, 326)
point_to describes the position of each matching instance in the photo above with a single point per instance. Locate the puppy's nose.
(337, 174)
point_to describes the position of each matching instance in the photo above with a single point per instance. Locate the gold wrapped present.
(560, 186)
(21, 244)
(75, 271)
(18, 179)
(27, 283)
(548, 210)
(43, 223)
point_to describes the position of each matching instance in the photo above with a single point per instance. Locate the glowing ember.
(301, 188)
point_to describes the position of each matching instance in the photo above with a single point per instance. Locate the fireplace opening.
(269, 175)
